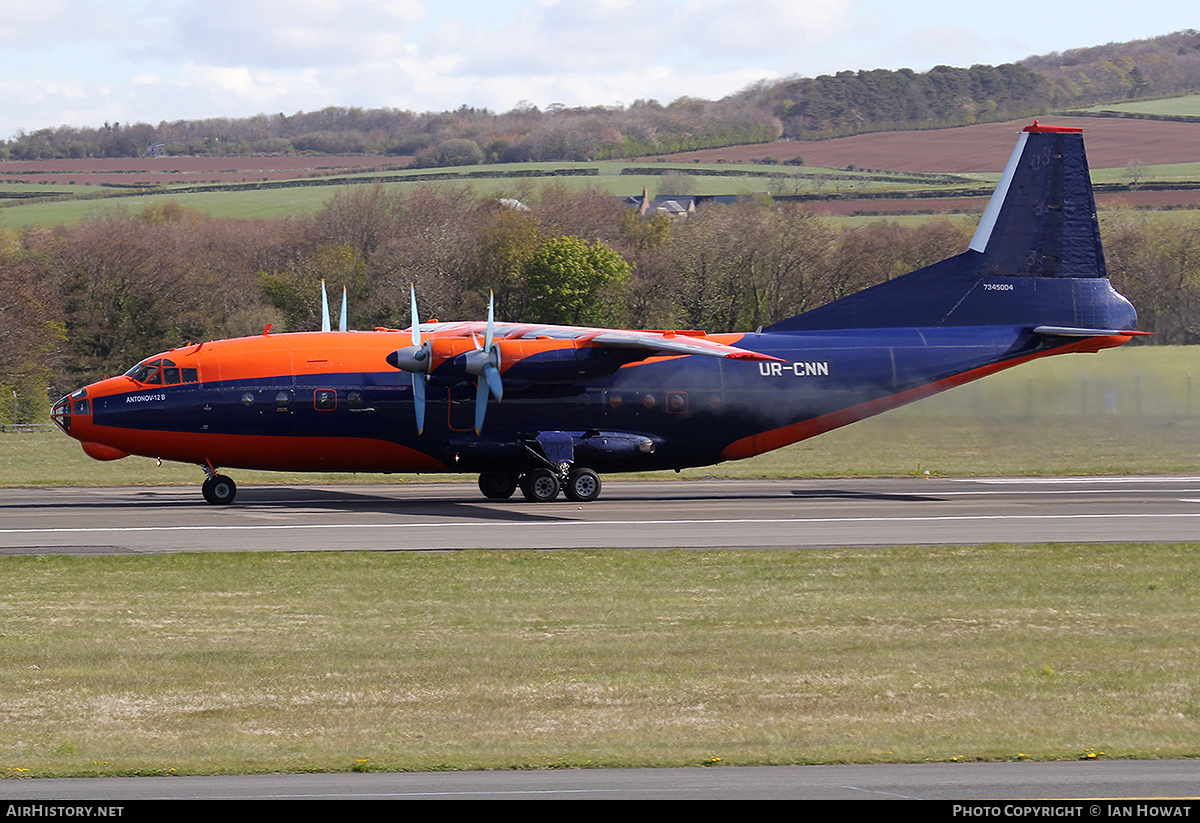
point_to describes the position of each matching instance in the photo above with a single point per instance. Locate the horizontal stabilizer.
(1070, 331)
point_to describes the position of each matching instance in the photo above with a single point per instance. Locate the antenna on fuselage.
(325, 326)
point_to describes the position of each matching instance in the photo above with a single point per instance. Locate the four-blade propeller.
(416, 359)
(421, 357)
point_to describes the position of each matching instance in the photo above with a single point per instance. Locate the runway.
(1140, 785)
(738, 514)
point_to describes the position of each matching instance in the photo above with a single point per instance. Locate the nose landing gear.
(218, 490)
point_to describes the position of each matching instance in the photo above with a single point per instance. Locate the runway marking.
(593, 523)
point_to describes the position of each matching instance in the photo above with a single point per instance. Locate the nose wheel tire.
(539, 486)
(219, 490)
(583, 486)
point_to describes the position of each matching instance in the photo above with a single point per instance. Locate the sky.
(90, 62)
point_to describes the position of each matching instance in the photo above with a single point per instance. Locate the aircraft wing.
(536, 354)
(652, 342)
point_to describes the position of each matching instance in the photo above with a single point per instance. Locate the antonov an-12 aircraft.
(547, 409)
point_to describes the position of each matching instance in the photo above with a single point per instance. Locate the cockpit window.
(162, 372)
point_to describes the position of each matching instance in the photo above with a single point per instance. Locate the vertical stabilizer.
(1041, 221)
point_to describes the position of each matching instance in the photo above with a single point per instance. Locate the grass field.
(297, 662)
(1188, 105)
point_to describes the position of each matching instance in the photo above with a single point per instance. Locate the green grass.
(1159, 174)
(1186, 105)
(264, 662)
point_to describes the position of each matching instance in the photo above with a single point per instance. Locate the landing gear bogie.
(542, 485)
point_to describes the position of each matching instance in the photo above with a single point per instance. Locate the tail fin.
(1036, 258)
(1041, 221)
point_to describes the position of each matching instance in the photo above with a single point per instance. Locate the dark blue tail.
(1035, 259)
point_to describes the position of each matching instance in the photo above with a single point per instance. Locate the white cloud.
(82, 62)
(294, 33)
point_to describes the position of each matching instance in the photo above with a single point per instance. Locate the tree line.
(803, 108)
(81, 301)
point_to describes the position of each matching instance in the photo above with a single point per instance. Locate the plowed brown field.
(1111, 143)
(159, 171)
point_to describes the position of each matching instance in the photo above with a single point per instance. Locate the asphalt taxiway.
(742, 514)
(1129, 788)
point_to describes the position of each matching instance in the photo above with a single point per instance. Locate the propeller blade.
(487, 340)
(342, 322)
(491, 375)
(418, 378)
(485, 365)
(416, 325)
(481, 396)
(324, 308)
(418, 384)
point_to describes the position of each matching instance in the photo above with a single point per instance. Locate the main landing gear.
(542, 485)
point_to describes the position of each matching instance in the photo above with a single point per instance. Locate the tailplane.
(1036, 258)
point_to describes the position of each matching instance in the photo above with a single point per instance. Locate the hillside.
(870, 101)
(839, 105)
